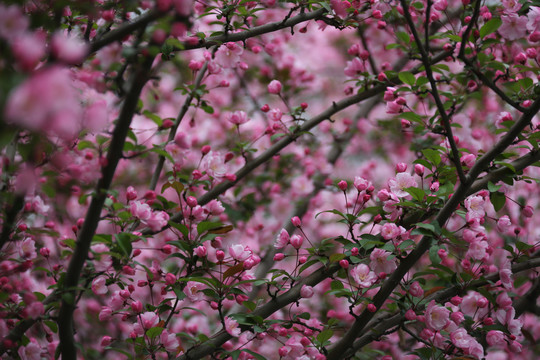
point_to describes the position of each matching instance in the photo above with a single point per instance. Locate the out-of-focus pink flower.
(99, 286)
(232, 327)
(354, 68)
(274, 87)
(12, 22)
(157, 220)
(29, 49)
(228, 55)
(495, 338)
(169, 341)
(282, 239)
(27, 249)
(306, 291)
(239, 252)
(380, 263)
(149, 319)
(214, 165)
(513, 26)
(534, 19)
(238, 118)
(68, 49)
(140, 210)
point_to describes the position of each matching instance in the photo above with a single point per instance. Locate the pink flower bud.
(354, 251)
(419, 169)
(274, 87)
(527, 211)
(296, 221)
(167, 249)
(401, 167)
(342, 185)
(344, 263)
(371, 308)
(410, 315)
(279, 257)
(200, 251)
(220, 255)
(304, 106)
(170, 279)
(106, 341)
(265, 108)
(482, 302)
(302, 259)
(296, 241)
(131, 194)
(191, 201)
(45, 252)
(306, 292)
(137, 307)
(206, 149)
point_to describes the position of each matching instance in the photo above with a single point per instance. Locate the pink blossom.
(47, 101)
(400, 182)
(340, 7)
(297, 241)
(475, 206)
(157, 220)
(513, 26)
(380, 263)
(232, 327)
(140, 210)
(390, 231)
(239, 252)
(169, 341)
(27, 249)
(32, 351)
(361, 184)
(193, 290)
(416, 289)
(274, 87)
(148, 320)
(12, 22)
(35, 309)
(363, 276)
(503, 224)
(534, 19)
(469, 305)
(99, 286)
(29, 49)
(228, 55)
(275, 114)
(68, 49)
(354, 68)
(214, 165)
(282, 239)
(477, 250)
(306, 291)
(238, 118)
(495, 338)
(437, 317)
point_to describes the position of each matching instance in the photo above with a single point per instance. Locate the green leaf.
(492, 187)
(433, 254)
(124, 242)
(254, 354)
(403, 37)
(407, 78)
(498, 200)
(432, 156)
(324, 336)
(490, 27)
(204, 226)
(417, 194)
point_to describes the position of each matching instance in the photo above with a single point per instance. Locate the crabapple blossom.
(232, 327)
(363, 276)
(402, 181)
(437, 317)
(380, 262)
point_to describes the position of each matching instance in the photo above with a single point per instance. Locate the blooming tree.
(269, 180)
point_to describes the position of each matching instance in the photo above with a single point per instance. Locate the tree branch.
(210, 346)
(71, 281)
(434, 91)
(254, 31)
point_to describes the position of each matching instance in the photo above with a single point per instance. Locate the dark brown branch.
(435, 93)
(255, 31)
(125, 29)
(174, 128)
(80, 254)
(208, 347)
